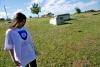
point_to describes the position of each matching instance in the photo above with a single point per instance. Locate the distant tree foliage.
(2, 19)
(30, 16)
(8, 19)
(35, 9)
(48, 15)
(91, 10)
(78, 10)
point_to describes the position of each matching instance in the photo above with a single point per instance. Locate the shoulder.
(9, 31)
(25, 28)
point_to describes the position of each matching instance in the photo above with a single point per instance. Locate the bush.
(90, 11)
(78, 10)
(8, 19)
(2, 19)
(30, 16)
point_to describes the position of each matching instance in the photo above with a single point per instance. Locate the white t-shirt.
(20, 40)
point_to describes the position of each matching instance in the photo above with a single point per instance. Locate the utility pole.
(6, 11)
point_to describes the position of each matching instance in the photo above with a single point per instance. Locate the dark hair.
(19, 17)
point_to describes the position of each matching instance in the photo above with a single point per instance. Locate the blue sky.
(54, 6)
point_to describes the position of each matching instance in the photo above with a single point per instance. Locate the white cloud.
(28, 7)
(2, 14)
(37, 1)
(61, 6)
(82, 4)
(60, 2)
(57, 6)
(18, 10)
(51, 2)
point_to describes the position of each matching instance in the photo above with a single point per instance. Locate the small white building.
(59, 19)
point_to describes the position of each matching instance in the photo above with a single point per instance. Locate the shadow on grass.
(96, 14)
(80, 31)
(67, 22)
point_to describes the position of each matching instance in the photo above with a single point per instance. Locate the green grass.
(73, 44)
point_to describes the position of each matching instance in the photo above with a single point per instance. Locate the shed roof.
(63, 14)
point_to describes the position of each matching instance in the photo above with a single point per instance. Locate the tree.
(2, 19)
(8, 19)
(50, 14)
(35, 9)
(78, 10)
(30, 16)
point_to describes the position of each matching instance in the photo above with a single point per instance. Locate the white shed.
(65, 17)
(59, 19)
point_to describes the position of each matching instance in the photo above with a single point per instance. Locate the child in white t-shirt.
(18, 42)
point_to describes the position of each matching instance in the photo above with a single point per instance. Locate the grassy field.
(73, 44)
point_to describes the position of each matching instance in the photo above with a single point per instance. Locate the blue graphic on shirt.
(23, 34)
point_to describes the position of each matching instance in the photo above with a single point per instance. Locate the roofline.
(63, 14)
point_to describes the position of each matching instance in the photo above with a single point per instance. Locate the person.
(18, 42)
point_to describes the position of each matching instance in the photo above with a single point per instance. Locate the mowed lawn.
(73, 44)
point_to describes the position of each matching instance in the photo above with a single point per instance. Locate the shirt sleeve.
(8, 41)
